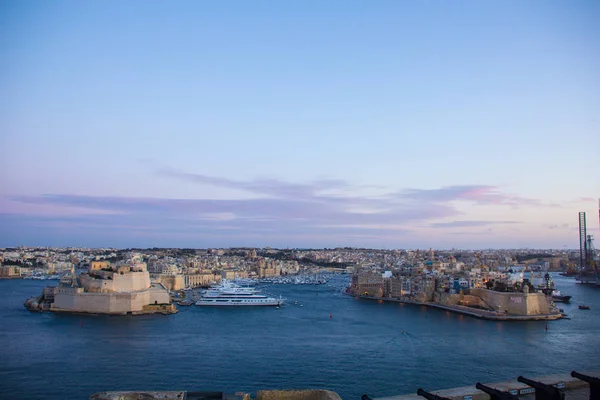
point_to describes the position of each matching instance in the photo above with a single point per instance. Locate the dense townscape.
(202, 266)
(493, 284)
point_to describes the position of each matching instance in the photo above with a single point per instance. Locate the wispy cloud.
(469, 224)
(477, 194)
(278, 209)
(296, 210)
(486, 232)
(560, 227)
(270, 187)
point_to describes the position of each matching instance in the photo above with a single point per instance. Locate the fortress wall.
(109, 303)
(96, 285)
(160, 296)
(537, 304)
(447, 299)
(514, 303)
(131, 281)
(172, 282)
(473, 301)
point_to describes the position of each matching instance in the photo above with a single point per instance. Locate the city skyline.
(394, 125)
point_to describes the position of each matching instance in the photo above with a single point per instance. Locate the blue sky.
(390, 124)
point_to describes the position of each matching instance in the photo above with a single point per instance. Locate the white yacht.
(229, 294)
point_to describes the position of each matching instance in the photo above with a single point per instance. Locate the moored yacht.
(229, 294)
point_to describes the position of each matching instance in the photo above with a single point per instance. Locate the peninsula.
(490, 295)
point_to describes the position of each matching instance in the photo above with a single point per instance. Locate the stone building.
(201, 279)
(9, 271)
(107, 290)
(370, 284)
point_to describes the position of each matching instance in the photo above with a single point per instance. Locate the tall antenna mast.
(582, 243)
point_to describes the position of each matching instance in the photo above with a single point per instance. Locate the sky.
(385, 124)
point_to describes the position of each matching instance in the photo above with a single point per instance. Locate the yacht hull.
(204, 303)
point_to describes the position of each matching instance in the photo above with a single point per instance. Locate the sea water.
(319, 339)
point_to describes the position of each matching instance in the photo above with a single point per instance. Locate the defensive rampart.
(514, 303)
(70, 299)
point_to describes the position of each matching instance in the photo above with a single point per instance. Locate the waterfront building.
(170, 269)
(399, 287)
(423, 287)
(201, 279)
(228, 275)
(370, 284)
(9, 272)
(266, 272)
(456, 292)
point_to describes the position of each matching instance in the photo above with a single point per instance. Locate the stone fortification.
(509, 303)
(124, 289)
(514, 303)
(171, 282)
(114, 282)
(72, 299)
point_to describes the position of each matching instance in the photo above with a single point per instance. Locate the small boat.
(584, 307)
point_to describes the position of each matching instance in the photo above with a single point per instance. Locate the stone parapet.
(575, 389)
(314, 394)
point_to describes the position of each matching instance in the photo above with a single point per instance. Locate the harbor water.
(319, 339)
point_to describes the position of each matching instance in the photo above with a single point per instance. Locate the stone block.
(297, 395)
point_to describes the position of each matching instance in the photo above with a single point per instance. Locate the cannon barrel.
(430, 396)
(495, 394)
(593, 381)
(542, 390)
(586, 378)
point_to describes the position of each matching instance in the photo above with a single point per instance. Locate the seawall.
(476, 313)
